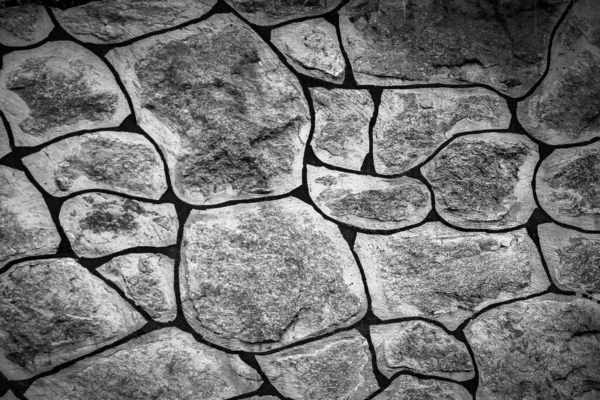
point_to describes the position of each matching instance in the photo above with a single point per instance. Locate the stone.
(439, 273)
(166, 364)
(26, 226)
(231, 120)
(263, 398)
(53, 311)
(257, 277)
(542, 348)
(148, 280)
(272, 12)
(413, 123)
(4, 141)
(483, 181)
(56, 89)
(366, 202)
(24, 25)
(118, 161)
(336, 367)
(99, 224)
(9, 396)
(568, 186)
(410, 387)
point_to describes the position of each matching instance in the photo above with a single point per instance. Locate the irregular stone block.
(483, 181)
(272, 12)
(368, 202)
(410, 387)
(4, 142)
(256, 277)
(24, 25)
(54, 310)
(58, 88)
(166, 364)
(544, 348)
(337, 367)
(230, 118)
(413, 123)
(447, 275)
(120, 161)
(99, 224)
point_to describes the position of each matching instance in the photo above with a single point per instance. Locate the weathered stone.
(231, 120)
(119, 161)
(263, 398)
(484, 181)
(260, 276)
(413, 123)
(99, 224)
(52, 311)
(26, 227)
(163, 364)
(24, 25)
(568, 186)
(337, 367)
(9, 396)
(368, 202)
(543, 348)
(147, 279)
(440, 273)
(272, 12)
(410, 387)
(4, 141)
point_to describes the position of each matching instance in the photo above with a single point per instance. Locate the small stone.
(410, 387)
(436, 272)
(99, 224)
(4, 141)
(483, 181)
(256, 277)
(9, 396)
(54, 310)
(336, 367)
(272, 12)
(163, 364)
(24, 25)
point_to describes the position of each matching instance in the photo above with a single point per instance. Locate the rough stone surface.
(9, 396)
(99, 224)
(119, 161)
(147, 279)
(271, 12)
(4, 142)
(263, 398)
(26, 227)
(413, 123)
(24, 25)
(54, 310)
(543, 348)
(440, 273)
(368, 202)
(484, 181)
(338, 367)
(410, 387)
(164, 364)
(260, 276)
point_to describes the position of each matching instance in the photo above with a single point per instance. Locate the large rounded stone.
(4, 141)
(413, 388)
(24, 25)
(272, 12)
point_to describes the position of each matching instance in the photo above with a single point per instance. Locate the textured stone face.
(261, 276)
(4, 142)
(24, 25)
(447, 275)
(271, 12)
(52, 311)
(338, 367)
(165, 364)
(9, 396)
(409, 387)
(545, 348)
(413, 123)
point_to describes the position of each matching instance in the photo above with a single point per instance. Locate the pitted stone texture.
(163, 364)
(26, 226)
(410, 387)
(337, 367)
(413, 123)
(119, 161)
(568, 186)
(543, 348)
(443, 274)
(368, 202)
(147, 279)
(483, 181)
(54, 310)
(342, 118)
(4, 141)
(117, 21)
(230, 118)
(99, 224)
(260, 276)
(58, 88)
(24, 25)
(272, 12)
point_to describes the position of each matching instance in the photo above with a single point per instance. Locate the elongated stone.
(4, 142)
(24, 25)
(410, 387)
(271, 12)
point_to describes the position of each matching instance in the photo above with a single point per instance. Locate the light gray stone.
(24, 25)
(271, 12)
(4, 142)
(410, 387)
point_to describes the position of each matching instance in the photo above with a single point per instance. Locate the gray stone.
(231, 120)
(368, 202)
(9, 396)
(413, 123)
(447, 275)
(163, 364)
(263, 398)
(271, 12)
(4, 142)
(409, 387)
(483, 181)
(543, 348)
(257, 277)
(337, 367)
(24, 25)
(54, 310)
(99, 224)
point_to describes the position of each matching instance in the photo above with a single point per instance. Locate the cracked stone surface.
(24, 25)
(271, 12)
(4, 142)
(410, 387)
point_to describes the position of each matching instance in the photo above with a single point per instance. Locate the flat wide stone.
(24, 25)
(410, 387)
(271, 12)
